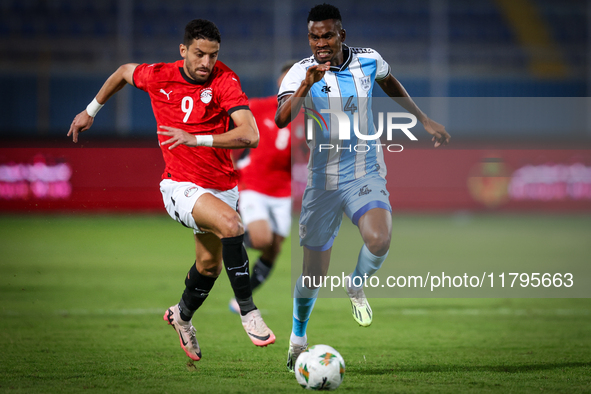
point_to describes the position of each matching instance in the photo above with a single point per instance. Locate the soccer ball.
(320, 368)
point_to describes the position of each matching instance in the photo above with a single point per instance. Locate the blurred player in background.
(201, 114)
(346, 181)
(265, 188)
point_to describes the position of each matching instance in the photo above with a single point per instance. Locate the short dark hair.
(324, 11)
(201, 29)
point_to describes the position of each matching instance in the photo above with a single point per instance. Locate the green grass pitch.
(82, 298)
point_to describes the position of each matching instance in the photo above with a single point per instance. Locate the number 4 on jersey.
(350, 105)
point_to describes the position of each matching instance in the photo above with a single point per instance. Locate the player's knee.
(208, 266)
(377, 243)
(231, 226)
(211, 271)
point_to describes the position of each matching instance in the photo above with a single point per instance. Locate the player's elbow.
(249, 140)
(280, 122)
(255, 142)
(125, 73)
(254, 137)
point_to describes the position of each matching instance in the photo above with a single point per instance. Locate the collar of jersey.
(188, 79)
(347, 56)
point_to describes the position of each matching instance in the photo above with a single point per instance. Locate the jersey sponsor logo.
(167, 94)
(206, 95)
(365, 83)
(307, 60)
(190, 191)
(364, 190)
(326, 89)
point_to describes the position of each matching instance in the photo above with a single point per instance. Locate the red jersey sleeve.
(232, 97)
(143, 75)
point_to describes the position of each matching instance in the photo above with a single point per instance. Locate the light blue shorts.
(322, 210)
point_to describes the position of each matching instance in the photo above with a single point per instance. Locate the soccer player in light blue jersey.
(340, 79)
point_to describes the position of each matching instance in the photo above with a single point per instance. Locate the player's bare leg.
(260, 234)
(269, 243)
(270, 253)
(305, 293)
(316, 263)
(375, 227)
(216, 217)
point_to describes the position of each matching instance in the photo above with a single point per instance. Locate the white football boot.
(186, 332)
(360, 308)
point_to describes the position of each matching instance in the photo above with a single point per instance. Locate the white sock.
(298, 340)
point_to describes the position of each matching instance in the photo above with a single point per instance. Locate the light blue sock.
(303, 303)
(368, 264)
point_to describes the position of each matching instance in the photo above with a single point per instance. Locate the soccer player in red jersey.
(265, 188)
(201, 113)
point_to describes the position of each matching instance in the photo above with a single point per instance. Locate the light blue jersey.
(347, 89)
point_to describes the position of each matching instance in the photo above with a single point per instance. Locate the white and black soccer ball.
(320, 367)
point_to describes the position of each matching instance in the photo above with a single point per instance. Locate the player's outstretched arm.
(117, 80)
(393, 88)
(290, 106)
(245, 134)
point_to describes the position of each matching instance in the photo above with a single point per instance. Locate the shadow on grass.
(475, 368)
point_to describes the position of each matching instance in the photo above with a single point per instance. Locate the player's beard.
(198, 77)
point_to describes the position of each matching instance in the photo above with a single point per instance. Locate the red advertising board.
(66, 179)
(75, 179)
(482, 179)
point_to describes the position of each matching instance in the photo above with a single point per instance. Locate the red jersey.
(180, 102)
(269, 165)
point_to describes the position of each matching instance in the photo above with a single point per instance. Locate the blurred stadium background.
(532, 58)
(57, 53)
